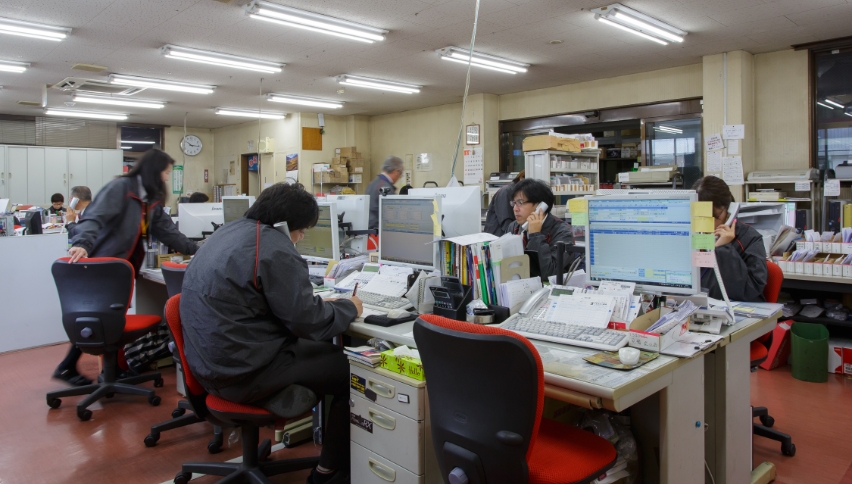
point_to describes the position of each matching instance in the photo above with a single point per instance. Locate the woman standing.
(120, 222)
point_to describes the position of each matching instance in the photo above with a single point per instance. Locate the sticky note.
(703, 241)
(436, 224)
(581, 218)
(702, 224)
(704, 259)
(578, 205)
(702, 209)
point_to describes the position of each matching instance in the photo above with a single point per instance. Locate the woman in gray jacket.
(119, 222)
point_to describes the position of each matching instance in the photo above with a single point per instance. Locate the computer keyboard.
(383, 302)
(569, 334)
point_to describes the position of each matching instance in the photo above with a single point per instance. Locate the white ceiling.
(125, 35)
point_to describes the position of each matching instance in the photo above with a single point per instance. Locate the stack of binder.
(471, 263)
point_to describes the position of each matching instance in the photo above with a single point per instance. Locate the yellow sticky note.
(581, 218)
(702, 209)
(702, 224)
(703, 259)
(436, 224)
(578, 205)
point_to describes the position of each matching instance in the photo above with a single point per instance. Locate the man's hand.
(726, 234)
(77, 253)
(70, 215)
(535, 220)
(358, 305)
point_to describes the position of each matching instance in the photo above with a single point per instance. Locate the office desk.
(666, 397)
(150, 295)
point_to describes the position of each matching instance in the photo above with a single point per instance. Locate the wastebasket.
(810, 352)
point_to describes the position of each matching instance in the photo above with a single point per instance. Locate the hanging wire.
(466, 87)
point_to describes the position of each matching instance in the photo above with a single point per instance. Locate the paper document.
(360, 278)
(732, 170)
(581, 309)
(690, 344)
(577, 279)
(472, 239)
(387, 285)
(714, 142)
(623, 294)
(515, 293)
(395, 270)
(714, 161)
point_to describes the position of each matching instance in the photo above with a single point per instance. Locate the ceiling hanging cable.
(183, 153)
(453, 180)
(259, 112)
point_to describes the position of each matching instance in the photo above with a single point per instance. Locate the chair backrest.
(193, 387)
(774, 279)
(173, 275)
(479, 422)
(94, 295)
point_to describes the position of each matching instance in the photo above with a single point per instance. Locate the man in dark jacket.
(544, 229)
(383, 185)
(253, 326)
(500, 214)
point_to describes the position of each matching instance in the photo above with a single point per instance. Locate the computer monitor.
(407, 230)
(321, 242)
(461, 208)
(642, 238)
(356, 211)
(199, 217)
(234, 208)
(33, 223)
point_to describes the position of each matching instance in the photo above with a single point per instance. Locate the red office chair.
(759, 350)
(485, 431)
(223, 412)
(94, 295)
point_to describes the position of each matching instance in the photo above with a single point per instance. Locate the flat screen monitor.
(199, 217)
(356, 211)
(33, 223)
(461, 208)
(321, 242)
(642, 238)
(407, 230)
(234, 208)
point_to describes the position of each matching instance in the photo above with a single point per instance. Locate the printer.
(783, 176)
(648, 174)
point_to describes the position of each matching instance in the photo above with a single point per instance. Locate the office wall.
(194, 166)
(781, 110)
(340, 131)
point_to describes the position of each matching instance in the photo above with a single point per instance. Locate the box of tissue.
(405, 361)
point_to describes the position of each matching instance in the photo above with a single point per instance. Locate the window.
(675, 142)
(832, 107)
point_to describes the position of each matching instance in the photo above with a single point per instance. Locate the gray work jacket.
(742, 264)
(553, 230)
(500, 214)
(374, 190)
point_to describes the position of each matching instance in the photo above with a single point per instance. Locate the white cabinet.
(56, 173)
(94, 171)
(17, 174)
(113, 165)
(76, 167)
(35, 177)
(3, 184)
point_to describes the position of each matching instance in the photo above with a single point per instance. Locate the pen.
(354, 291)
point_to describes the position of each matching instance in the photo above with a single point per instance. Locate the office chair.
(254, 467)
(759, 350)
(94, 295)
(486, 431)
(173, 275)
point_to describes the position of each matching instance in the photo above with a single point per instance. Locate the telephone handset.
(283, 228)
(534, 301)
(542, 207)
(74, 202)
(733, 210)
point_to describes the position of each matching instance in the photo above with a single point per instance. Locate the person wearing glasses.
(543, 229)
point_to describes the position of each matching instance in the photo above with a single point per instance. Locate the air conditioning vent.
(89, 67)
(75, 84)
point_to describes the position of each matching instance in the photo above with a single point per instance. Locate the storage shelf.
(573, 193)
(585, 154)
(822, 320)
(618, 159)
(574, 171)
(807, 277)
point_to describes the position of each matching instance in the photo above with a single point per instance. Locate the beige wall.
(781, 110)
(340, 131)
(193, 166)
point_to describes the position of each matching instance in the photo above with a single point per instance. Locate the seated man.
(253, 326)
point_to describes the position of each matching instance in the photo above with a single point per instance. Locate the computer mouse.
(397, 313)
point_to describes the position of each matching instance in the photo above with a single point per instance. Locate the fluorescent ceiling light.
(635, 22)
(824, 105)
(249, 114)
(219, 59)
(126, 147)
(314, 22)
(36, 31)
(847, 114)
(132, 142)
(160, 84)
(668, 129)
(134, 103)
(304, 101)
(11, 66)
(85, 114)
(457, 54)
(829, 101)
(379, 84)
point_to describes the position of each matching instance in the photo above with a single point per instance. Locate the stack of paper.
(626, 304)
(674, 318)
(346, 266)
(366, 355)
(786, 238)
(513, 294)
(395, 285)
(581, 309)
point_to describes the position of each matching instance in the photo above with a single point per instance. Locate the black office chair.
(94, 295)
(488, 431)
(173, 276)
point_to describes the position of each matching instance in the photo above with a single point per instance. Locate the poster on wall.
(293, 162)
(177, 179)
(424, 162)
(474, 167)
(252, 163)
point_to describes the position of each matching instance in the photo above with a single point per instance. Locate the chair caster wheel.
(158, 382)
(767, 420)
(151, 439)
(178, 412)
(54, 402)
(109, 395)
(84, 414)
(214, 446)
(154, 401)
(183, 477)
(789, 450)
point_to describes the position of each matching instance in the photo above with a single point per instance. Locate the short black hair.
(535, 191)
(198, 197)
(57, 197)
(713, 189)
(150, 168)
(284, 202)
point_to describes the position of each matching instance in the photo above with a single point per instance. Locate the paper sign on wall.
(714, 142)
(832, 188)
(177, 179)
(733, 131)
(703, 259)
(732, 170)
(424, 162)
(474, 167)
(803, 186)
(714, 161)
(733, 147)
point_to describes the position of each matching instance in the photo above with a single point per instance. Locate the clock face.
(191, 145)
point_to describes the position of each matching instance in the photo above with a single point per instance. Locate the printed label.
(361, 422)
(357, 383)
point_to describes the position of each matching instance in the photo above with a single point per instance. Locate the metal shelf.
(585, 154)
(574, 171)
(573, 193)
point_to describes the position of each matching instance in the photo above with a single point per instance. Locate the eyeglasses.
(517, 203)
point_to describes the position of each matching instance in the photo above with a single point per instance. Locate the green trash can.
(810, 352)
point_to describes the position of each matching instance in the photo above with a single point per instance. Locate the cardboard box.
(840, 356)
(355, 162)
(404, 365)
(320, 167)
(167, 257)
(639, 338)
(547, 142)
(779, 351)
(347, 151)
(336, 174)
(356, 179)
(356, 169)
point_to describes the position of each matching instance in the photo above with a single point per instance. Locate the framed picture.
(472, 134)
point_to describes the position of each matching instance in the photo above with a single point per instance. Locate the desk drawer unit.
(387, 433)
(390, 393)
(370, 468)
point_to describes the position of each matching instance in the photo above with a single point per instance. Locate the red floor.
(40, 445)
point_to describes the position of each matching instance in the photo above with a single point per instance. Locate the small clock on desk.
(191, 145)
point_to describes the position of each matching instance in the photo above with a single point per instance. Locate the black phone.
(453, 284)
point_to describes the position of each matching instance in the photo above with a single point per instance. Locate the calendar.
(474, 167)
